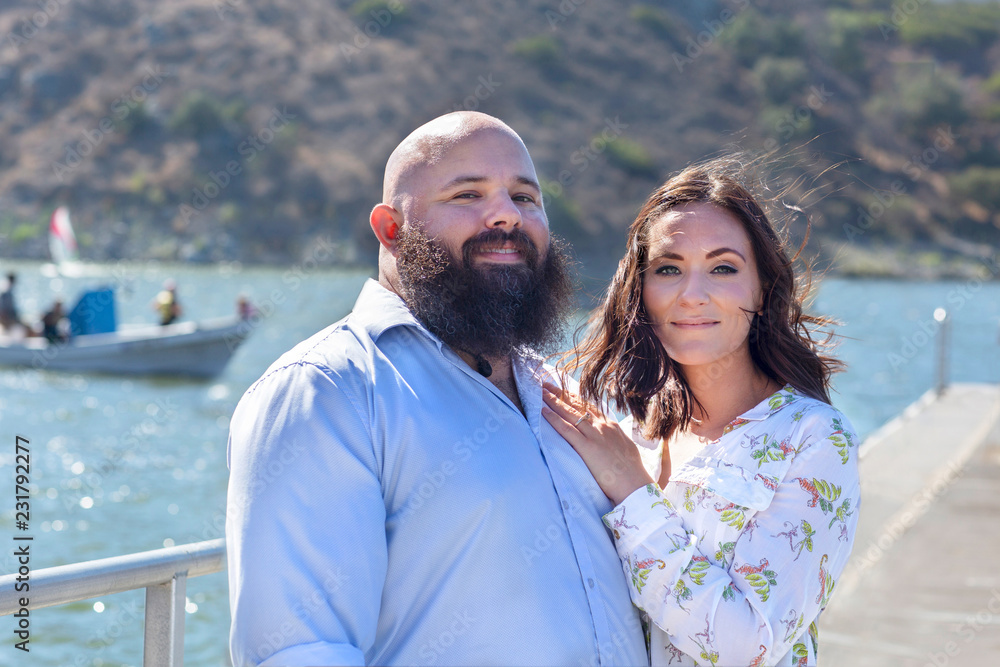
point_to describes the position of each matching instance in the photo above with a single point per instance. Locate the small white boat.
(193, 349)
(95, 342)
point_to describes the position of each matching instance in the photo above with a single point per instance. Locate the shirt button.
(590, 582)
(565, 505)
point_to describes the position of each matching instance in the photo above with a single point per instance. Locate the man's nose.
(505, 214)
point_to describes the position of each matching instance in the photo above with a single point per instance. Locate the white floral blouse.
(734, 561)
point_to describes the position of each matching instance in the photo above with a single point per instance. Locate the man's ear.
(385, 222)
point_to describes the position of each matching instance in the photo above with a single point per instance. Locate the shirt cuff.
(642, 513)
(317, 653)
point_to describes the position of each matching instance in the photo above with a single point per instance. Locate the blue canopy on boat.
(94, 312)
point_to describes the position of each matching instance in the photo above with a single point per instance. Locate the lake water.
(127, 465)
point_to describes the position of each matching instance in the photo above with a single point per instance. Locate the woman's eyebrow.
(715, 253)
(666, 254)
(723, 251)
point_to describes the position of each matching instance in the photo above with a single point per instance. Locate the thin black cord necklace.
(483, 367)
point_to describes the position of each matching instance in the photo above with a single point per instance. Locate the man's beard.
(491, 310)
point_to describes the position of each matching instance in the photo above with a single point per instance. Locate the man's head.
(465, 240)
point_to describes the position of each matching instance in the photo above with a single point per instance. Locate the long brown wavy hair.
(622, 359)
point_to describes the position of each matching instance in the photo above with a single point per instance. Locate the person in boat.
(52, 323)
(736, 515)
(245, 308)
(166, 303)
(10, 316)
(395, 496)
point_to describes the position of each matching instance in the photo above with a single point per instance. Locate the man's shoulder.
(339, 348)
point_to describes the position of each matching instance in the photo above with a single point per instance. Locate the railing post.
(163, 643)
(944, 327)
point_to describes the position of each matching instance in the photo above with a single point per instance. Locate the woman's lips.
(694, 325)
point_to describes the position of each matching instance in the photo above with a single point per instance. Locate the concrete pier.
(923, 585)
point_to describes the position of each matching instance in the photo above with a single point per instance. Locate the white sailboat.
(63, 249)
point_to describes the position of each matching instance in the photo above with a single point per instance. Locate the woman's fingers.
(572, 405)
(558, 408)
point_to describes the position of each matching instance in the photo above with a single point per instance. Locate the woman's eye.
(725, 269)
(668, 270)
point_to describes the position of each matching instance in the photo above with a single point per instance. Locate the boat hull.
(192, 349)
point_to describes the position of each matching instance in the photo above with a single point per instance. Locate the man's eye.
(525, 198)
(466, 195)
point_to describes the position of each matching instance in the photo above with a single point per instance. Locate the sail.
(62, 241)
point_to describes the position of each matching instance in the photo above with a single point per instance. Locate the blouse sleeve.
(777, 578)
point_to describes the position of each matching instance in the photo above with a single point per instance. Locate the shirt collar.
(378, 309)
(769, 406)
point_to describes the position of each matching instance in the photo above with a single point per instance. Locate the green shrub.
(978, 184)
(751, 36)
(137, 120)
(382, 15)
(539, 50)
(778, 79)
(564, 214)
(200, 114)
(631, 156)
(657, 21)
(922, 101)
(992, 85)
(952, 30)
(842, 41)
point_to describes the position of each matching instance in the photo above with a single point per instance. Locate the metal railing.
(162, 572)
(941, 367)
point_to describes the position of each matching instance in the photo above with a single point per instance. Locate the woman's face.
(701, 287)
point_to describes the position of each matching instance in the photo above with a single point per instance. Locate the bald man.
(396, 497)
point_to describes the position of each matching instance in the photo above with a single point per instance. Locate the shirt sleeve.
(305, 524)
(780, 573)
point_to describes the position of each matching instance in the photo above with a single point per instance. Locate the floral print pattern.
(786, 471)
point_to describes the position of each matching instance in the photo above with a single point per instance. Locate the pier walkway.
(923, 585)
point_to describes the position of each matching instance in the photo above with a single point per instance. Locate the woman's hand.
(610, 454)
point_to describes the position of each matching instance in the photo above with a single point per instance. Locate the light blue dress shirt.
(388, 505)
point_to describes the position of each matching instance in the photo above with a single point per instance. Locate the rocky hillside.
(248, 129)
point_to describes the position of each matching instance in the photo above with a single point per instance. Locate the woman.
(733, 539)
